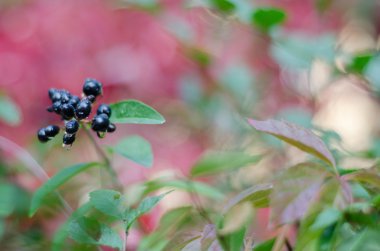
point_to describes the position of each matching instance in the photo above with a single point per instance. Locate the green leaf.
(236, 218)
(153, 242)
(367, 240)
(223, 5)
(136, 149)
(189, 186)
(9, 112)
(236, 240)
(90, 231)
(145, 206)
(135, 112)
(56, 181)
(359, 63)
(62, 233)
(108, 202)
(326, 218)
(258, 195)
(297, 136)
(212, 163)
(265, 246)
(267, 18)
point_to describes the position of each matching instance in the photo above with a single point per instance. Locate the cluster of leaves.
(85, 225)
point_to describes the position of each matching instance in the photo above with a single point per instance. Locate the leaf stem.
(106, 160)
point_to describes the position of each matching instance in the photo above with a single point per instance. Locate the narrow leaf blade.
(212, 163)
(56, 181)
(145, 206)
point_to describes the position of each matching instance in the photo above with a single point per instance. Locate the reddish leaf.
(294, 192)
(297, 136)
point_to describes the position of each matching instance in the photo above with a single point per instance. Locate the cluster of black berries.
(72, 109)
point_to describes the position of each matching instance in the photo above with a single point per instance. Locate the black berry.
(51, 131)
(72, 127)
(92, 98)
(65, 96)
(83, 109)
(57, 106)
(42, 137)
(92, 87)
(74, 101)
(68, 139)
(100, 123)
(54, 95)
(111, 127)
(67, 111)
(103, 108)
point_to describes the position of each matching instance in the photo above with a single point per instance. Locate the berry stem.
(107, 161)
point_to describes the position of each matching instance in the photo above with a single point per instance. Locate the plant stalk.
(106, 160)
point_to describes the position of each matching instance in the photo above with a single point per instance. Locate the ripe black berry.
(92, 87)
(51, 131)
(68, 139)
(83, 109)
(111, 127)
(67, 111)
(42, 137)
(54, 95)
(65, 96)
(100, 123)
(57, 106)
(74, 101)
(72, 127)
(91, 98)
(103, 108)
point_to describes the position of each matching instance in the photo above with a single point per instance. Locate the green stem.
(106, 160)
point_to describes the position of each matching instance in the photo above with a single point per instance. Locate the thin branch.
(32, 165)
(107, 161)
(288, 245)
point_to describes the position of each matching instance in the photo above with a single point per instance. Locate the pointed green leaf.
(189, 186)
(62, 233)
(136, 149)
(326, 218)
(56, 181)
(108, 202)
(265, 246)
(135, 112)
(212, 163)
(145, 206)
(90, 231)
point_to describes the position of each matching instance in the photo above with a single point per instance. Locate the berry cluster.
(72, 109)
